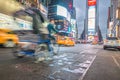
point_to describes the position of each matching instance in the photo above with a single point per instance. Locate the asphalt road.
(106, 66)
(72, 63)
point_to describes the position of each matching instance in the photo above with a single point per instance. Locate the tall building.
(114, 18)
(91, 22)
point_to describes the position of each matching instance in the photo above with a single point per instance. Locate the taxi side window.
(11, 32)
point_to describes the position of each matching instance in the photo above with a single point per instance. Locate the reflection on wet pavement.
(79, 70)
(71, 67)
(65, 66)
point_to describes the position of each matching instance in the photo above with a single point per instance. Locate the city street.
(72, 63)
(85, 29)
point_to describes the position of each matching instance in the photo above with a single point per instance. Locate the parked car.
(8, 38)
(112, 42)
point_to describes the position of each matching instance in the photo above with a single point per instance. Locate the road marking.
(81, 78)
(116, 62)
(83, 75)
(117, 55)
(50, 76)
(64, 66)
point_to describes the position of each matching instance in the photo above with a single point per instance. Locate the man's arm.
(54, 29)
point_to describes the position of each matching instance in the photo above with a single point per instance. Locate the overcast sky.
(81, 9)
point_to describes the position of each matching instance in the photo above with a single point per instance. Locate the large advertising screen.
(91, 12)
(9, 23)
(61, 11)
(68, 16)
(91, 20)
(73, 24)
(91, 23)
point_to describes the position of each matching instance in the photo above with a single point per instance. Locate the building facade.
(114, 19)
(11, 6)
(64, 14)
(49, 8)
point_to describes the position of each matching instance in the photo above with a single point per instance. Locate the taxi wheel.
(72, 44)
(104, 47)
(9, 44)
(41, 52)
(16, 52)
(119, 49)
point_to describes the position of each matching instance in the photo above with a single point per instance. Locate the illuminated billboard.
(91, 12)
(91, 26)
(91, 32)
(73, 24)
(91, 20)
(68, 16)
(91, 2)
(91, 23)
(61, 11)
(8, 22)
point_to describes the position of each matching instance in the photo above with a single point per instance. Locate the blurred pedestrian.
(51, 29)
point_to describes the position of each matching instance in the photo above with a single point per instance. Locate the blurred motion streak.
(9, 6)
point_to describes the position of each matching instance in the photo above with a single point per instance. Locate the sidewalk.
(106, 66)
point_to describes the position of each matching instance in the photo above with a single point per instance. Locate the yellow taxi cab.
(95, 40)
(8, 38)
(64, 40)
